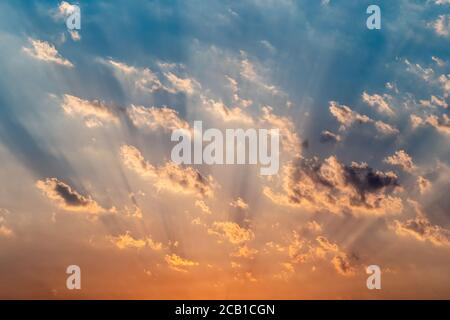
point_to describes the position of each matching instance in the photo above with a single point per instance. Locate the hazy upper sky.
(87, 179)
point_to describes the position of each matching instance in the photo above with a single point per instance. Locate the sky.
(86, 118)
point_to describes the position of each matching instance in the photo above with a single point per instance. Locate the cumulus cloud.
(219, 109)
(248, 71)
(66, 198)
(378, 102)
(170, 177)
(5, 230)
(441, 25)
(147, 81)
(142, 79)
(231, 232)
(337, 188)
(125, 241)
(290, 140)
(239, 203)
(328, 136)
(430, 77)
(444, 81)
(402, 159)
(422, 229)
(438, 60)
(154, 118)
(434, 102)
(186, 85)
(243, 103)
(340, 261)
(178, 263)
(47, 52)
(423, 184)
(94, 113)
(347, 117)
(75, 35)
(426, 74)
(302, 250)
(64, 9)
(203, 206)
(245, 252)
(440, 123)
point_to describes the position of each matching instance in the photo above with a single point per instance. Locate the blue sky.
(344, 96)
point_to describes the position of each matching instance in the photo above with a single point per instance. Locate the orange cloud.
(66, 198)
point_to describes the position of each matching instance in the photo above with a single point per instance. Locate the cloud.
(75, 35)
(178, 263)
(231, 232)
(186, 85)
(340, 261)
(290, 141)
(321, 248)
(245, 252)
(155, 118)
(444, 81)
(401, 159)
(94, 113)
(328, 136)
(146, 80)
(422, 229)
(203, 206)
(125, 241)
(66, 198)
(347, 117)
(248, 71)
(378, 102)
(170, 177)
(142, 79)
(441, 25)
(385, 129)
(439, 61)
(219, 109)
(342, 265)
(239, 203)
(423, 184)
(244, 103)
(442, 123)
(337, 188)
(5, 230)
(47, 52)
(429, 76)
(65, 9)
(434, 102)
(426, 74)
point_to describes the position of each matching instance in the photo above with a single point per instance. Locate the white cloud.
(95, 113)
(47, 52)
(154, 118)
(441, 25)
(401, 159)
(378, 102)
(170, 177)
